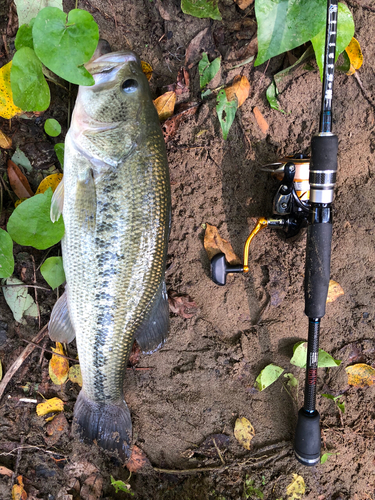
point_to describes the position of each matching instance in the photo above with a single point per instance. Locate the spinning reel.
(290, 211)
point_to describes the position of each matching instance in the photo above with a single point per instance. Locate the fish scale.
(117, 216)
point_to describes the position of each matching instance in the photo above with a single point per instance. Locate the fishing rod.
(304, 198)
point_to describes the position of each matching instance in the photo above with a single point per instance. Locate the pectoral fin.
(153, 331)
(60, 327)
(57, 202)
(85, 200)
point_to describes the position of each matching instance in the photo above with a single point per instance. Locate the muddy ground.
(202, 380)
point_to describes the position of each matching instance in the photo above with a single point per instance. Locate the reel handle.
(220, 267)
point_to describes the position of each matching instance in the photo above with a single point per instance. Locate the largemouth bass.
(115, 200)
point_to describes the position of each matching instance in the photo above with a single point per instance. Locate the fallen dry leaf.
(360, 375)
(182, 305)
(135, 354)
(164, 105)
(18, 493)
(203, 42)
(244, 432)
(52, 181)
(214, 244)
(334, 291)
(58, 368)
(261, 121)
(50, 406)
(5, 141)
(55, 429)
(78, 469)
(248, 50)
(92, 488)
(75, 375)
(137, 460)
(355, 56)
(240, 88)
(147, 69)
(18, 181)
(296, 489)
(5, 472)
(243, 4)
(170, 126)
(181, 87)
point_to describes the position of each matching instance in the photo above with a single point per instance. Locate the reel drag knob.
(220, 267)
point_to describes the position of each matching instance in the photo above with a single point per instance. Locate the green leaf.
(30, 223)
(29, 87)
(19, 300)
(201, 8)
(6, 255)
(271, 94)
(64, 45)
(324, 458)
(339, 404)
(325, 360)
(59, 150)
(345, 32)
(292, 381)
(121, 486)
(21, 160)
(286, 24)
(207, 70)
(346, 66)
(53, 271)
(52, 127)
(268, 376)
(272, 91)
(226, 111)
(27, 9)
(24, 37)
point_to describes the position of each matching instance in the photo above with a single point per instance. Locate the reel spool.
(290, 211)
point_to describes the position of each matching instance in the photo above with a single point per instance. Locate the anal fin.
(153, 331)
(60, 327)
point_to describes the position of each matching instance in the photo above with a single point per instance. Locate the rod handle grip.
(317, 273)
(307, 438)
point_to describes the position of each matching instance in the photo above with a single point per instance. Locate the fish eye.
(129, 86)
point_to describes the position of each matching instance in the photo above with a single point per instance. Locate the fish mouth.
(111, 61)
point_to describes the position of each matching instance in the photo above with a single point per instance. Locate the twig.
(33, 447)
(218, 451)
(26, 286)
(19, 452)
(21, 358)
(35, 290)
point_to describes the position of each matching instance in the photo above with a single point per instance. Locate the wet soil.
(202, 380)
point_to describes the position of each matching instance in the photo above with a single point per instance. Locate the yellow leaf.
(240, 88)
(214, 244)
(334, 291)
(244, 432)
(75, 375)
(296, 488)
(52, 181)
(18, 493)
(18, 202)
(147, 69)
(7, 107)
(5, 141)
(360, 375)
(49, 406)
(355, 56)
(58, 367)
(165, 105)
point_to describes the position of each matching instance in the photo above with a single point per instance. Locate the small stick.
(19, 453)
(27, 286)
(218, 451)
(35, 291)
(21, 358)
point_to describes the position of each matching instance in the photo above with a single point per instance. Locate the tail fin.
(107, 424)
